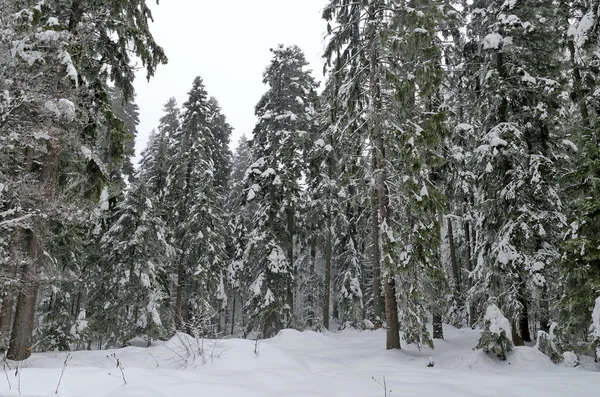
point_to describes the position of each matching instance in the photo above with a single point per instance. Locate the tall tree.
(285, 114)
(518, 90)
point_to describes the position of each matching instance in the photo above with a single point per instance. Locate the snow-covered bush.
(496, 336)
(595, 328)
(571, 359)
(546, 344)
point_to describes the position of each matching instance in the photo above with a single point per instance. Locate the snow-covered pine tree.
(65, 119)
(496, 336)
(198, 222)
(581, 249)
(395, 91)
(240, 216)
(221, 155)
(133, 274)
(518, 92)
(348, 52)
(285, 118)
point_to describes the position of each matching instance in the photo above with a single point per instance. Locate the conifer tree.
(581, 248)
(518, 95)
(198, 223)
(285, 113)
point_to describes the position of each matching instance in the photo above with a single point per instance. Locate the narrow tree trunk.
(376, 263)
(380, 171)
(438, 330)
(290, 254)
(469, 265)
(233, 313)
(178, 295)
(391, 315)
(454, 260)
(327, 295)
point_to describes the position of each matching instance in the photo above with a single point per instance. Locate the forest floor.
(302, 364)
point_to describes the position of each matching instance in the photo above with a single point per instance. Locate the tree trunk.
(453, 260)
(376, 263)
(391, 315)
(469, 265)
(22, 336)
(233, 313)
(24, 318)
(6, 312)
(327, 296)
(178, 295)
(6, 320)
(290, 254)
(438, 330)
(545, 310)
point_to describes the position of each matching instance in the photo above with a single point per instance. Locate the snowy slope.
(302, 364)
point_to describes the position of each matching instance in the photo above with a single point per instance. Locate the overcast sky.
(226, 42)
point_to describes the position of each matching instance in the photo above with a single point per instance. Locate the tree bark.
(327, 295)
(380, 171)
(391, 315)
(22, 336)
(24, 318)
(6, 312)
(376, 263)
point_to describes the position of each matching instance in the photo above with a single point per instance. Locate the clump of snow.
(570, 359)
(66, 109)
(492, 41)
(498, 322)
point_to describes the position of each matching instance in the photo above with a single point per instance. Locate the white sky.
(226, 42)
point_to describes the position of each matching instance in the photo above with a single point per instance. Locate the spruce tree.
(285, 114)
(581, 249)
(519, 104)
(198, 222)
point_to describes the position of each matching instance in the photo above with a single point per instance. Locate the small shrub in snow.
(545, 344)
(571, 359)
(496, 336)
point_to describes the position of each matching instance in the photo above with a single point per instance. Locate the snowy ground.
(307, 364)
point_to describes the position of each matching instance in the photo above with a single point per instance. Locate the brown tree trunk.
(22, 336)
(438, 330)
(376, 264)
(380, 171)
(327, 295)
(24, 317)
(391, 315)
